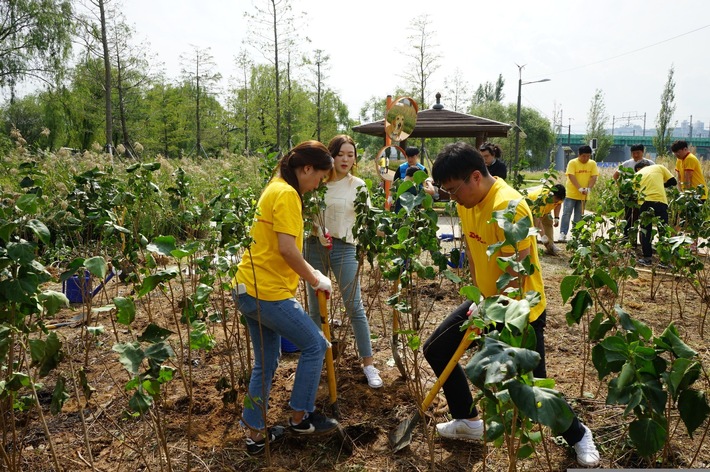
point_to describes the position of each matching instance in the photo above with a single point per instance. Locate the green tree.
(490, 92)
(423, 58)
(319, 68)
(537, 136)
(35, 39)
(596, 122)
(664, 130)
(457, 92)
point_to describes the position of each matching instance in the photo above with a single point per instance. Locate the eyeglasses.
(455, 191)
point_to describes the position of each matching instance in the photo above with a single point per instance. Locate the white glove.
(545, 239)
(325, 238)
(389, 200)
(323, 283)
(584, 190)
(474, 309)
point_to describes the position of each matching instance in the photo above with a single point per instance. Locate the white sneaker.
(461, 429)
(563, 238)
(373, 376)
(587, 454)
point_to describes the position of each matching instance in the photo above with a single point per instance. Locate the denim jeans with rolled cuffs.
(568, 206)
(280, 318)
(342, 262)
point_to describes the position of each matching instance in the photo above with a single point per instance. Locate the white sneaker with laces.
(373, 376)
(587, 454)
(563, 238)
(461, 429)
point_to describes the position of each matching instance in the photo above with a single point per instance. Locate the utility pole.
(690, 136)
(569, 132)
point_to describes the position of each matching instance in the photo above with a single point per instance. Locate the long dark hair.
(334, 147)
(307, 153)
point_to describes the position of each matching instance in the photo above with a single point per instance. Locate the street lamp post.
(517, 118)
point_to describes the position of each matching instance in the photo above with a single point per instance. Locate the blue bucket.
(287, 346)
(75, 288)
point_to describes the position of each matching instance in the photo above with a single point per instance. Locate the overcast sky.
(623, 47)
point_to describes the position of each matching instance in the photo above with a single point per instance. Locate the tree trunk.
(107, 80)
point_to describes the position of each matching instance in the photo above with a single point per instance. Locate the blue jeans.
(342, 261)
(273, 320)
(570, 205)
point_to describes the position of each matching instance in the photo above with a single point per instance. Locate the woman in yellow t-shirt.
(266, 283)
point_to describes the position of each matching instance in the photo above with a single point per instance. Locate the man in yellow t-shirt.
(687, 167)
(546, 205)
(582, 173)
(652, 197)
(462, 172)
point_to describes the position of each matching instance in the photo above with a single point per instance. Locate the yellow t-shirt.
(690, 162)
(651, 184)
(279, 210)
(583, 173)
(480, 234)
(546, 205)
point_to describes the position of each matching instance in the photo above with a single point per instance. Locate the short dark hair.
(457, 161)
(584, 149)
(492, 148)
(411, 170)
(559, 191)
(641, 164)
(638, 147)
(411, 151)
(678, 145)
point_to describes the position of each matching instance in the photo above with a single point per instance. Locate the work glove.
(475, 309)
(325, 238)
(556, 221)
(584, 190)
(323, 284)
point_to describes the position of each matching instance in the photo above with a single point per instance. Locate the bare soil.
(120, 442)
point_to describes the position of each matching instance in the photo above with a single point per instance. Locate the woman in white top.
(342, 189)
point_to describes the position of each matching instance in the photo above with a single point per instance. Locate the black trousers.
(441, 346)
(660, 210)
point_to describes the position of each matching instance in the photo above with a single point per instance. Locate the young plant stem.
(81, 412)
(43, 420)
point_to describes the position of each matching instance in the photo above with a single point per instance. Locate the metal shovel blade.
(402, 436)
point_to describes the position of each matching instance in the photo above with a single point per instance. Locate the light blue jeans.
(568, 206)
(279, 318)
(342, 261)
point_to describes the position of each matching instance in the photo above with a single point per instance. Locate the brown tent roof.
(439, 123)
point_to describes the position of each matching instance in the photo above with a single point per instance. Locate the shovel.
(402, 436)
(329, 367)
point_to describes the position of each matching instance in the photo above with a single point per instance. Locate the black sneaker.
(257, 447)
(314, 423)
(645, 261)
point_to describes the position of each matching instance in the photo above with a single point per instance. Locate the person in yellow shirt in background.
(582, 174)
(652, 196)
(687, 167)
(546, 206)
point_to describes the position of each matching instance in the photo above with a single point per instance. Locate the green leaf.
(671, 337)
(541, 405)
(164, 245)
(152, 281)
(59, 396)
(693, 408)
(46, 355)
(23, 252)
(627, 375)
(632, 325)
(199, 337)
(140, 402)
(97, 266)
(27, 203)
(497, 362)
(647, 435)
(684, 372)
(40, 230)
(581, 302)
(6, 231)
(130, 356)
(159, 352)
(126, 310)
(52, 302)
(601, 278)
(568, 285)
(166, 374)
